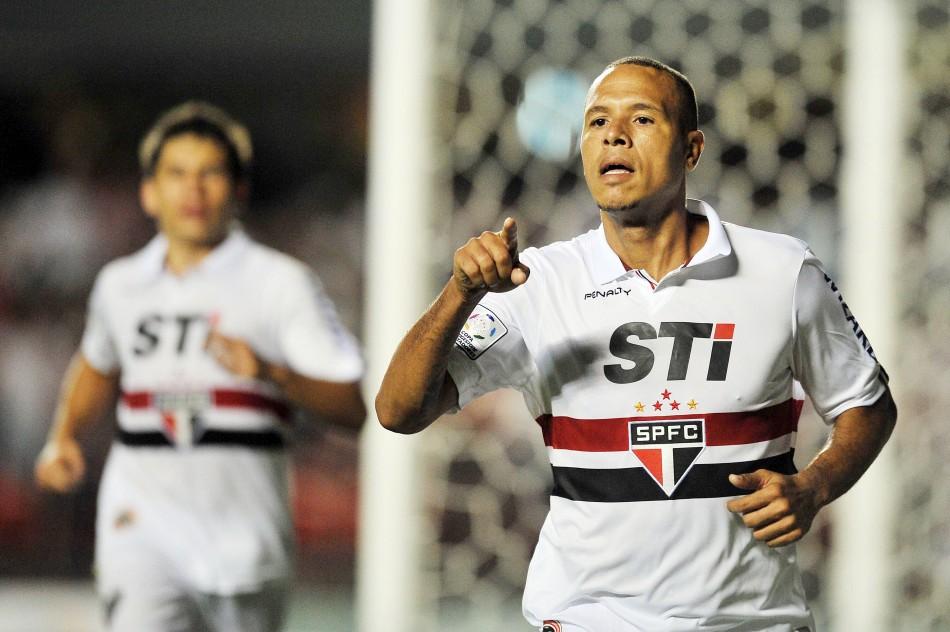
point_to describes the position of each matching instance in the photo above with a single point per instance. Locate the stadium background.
(78, 84)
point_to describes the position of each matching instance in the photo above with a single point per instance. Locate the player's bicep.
(87, 390)
(448, 395)
(94, 374)
(98, 345)
(490, 353)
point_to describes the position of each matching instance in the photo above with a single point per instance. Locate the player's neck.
(660, 247)
(183, 255)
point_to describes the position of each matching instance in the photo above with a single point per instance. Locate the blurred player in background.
(208, 339)
(660, 354)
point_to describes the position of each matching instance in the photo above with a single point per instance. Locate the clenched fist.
(235, 355)
(60, 467)
(489, 262)
(780, 508)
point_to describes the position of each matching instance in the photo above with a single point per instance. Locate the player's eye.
(598, 122)
(643, 120)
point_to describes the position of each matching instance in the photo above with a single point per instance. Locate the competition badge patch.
(482, 329)
(668, 448)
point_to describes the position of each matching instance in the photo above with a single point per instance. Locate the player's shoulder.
(278, 270)
(264, 257)
(764, 246)
(133, 268)
(566, 253)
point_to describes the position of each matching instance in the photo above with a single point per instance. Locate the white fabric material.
(143, 596)
(685, 563)
(219, 514)
(825, 346)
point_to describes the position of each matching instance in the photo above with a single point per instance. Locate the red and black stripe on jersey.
(704, 480)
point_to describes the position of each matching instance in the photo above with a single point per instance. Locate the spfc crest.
(667, 449)
(181, 416)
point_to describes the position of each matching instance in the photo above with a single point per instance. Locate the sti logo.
(667, 449)
(683, 334)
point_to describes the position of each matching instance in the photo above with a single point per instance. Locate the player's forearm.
(337, 403)
(84, 397)
(858, 436)
(416, 388)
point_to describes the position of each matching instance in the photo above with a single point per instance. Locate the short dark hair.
(201, 119)
(688, 115)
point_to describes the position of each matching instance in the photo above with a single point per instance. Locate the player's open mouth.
(615, 167)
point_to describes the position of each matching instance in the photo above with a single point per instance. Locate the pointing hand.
(490, 262)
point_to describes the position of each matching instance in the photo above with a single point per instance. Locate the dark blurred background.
(79, 85)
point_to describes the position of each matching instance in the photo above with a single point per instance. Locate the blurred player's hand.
(60, 467)
(490, 262)
(235, 355)
(780, 508)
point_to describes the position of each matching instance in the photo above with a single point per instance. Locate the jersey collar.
(222, 257)
(608, 267)
(717, 242)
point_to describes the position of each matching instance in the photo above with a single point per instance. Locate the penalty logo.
(668, 449)
(482, 329)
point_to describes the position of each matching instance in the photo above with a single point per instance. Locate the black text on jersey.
(153, 327)
(682, 334)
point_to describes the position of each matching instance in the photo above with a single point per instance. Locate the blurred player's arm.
(781, 508)
(85, 396)
(338, 403)
(417, 387)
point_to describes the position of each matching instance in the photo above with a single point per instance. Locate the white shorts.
(145, 595)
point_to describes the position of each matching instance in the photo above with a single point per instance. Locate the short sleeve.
(98, 345)
(832, 356)
(490, 353)
(311, 338)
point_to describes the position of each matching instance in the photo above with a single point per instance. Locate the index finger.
(509, 232)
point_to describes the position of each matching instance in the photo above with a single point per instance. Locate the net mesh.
(922, 549)
(768, 75)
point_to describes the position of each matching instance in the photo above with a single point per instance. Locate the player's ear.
(695, 141)
(147, 197)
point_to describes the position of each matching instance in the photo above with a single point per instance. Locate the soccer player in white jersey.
(661, 355)
(208, 339)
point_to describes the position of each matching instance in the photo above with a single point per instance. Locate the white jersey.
(649, 394)
(198, 474)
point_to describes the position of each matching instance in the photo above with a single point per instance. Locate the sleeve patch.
(482, 330)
